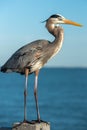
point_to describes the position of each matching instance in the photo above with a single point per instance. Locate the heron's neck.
(59, 35)
(56, 31)
(58, 41)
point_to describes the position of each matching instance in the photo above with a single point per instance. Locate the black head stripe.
(55, 16)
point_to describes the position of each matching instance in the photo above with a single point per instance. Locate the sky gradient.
(20, 23)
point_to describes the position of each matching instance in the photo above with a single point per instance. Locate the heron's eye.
(60, 18)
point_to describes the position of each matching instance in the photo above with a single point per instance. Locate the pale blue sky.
(20, 23)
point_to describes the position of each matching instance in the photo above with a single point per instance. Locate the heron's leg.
(25, 94)
(35, 94)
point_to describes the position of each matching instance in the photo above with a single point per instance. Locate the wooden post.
(35, 126)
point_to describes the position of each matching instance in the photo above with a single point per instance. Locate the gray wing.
(29, 56)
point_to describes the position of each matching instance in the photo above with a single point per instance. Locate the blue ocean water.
(62, 95)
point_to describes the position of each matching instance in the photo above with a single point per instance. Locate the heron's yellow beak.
(66, 21)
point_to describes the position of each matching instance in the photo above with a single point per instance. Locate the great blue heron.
(32, 57)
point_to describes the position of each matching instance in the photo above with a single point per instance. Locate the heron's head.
(59, 19)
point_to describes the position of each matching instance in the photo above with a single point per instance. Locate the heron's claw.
(39, 121)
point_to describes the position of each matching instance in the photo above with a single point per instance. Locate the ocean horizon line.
(65, 67)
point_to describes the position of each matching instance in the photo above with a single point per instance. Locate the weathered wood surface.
(35, 126)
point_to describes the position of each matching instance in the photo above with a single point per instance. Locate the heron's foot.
(26, 121)
(39, 121)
